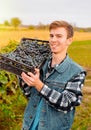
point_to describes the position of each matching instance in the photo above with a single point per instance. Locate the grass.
(80, 51)
(83, 113)
(7, 35)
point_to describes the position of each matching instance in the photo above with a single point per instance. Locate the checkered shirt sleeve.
(70, 97)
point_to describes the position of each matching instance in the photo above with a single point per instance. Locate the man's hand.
(33, 79)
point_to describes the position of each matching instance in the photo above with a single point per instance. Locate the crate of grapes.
(30, 54)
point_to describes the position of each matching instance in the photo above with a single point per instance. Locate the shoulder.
(74, 66)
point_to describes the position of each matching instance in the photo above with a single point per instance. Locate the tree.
(15, 22)
(6, 23)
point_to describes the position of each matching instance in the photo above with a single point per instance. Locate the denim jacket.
(61, 79)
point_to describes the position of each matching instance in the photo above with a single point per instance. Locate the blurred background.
(31, 19)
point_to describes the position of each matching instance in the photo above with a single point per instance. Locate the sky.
(33, 12)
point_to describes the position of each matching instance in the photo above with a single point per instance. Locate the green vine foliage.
(10, 47)
(12, 101)
(8, 81)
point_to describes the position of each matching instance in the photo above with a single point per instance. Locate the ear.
(69, 41)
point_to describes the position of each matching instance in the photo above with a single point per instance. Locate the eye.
(51, 35)
(58, 36)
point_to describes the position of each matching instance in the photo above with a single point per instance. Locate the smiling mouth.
(53, 46)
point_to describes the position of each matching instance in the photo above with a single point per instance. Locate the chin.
(54, 52)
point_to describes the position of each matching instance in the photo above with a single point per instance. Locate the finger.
(36, 70)
(30, 74)
(29, 77)
(23, 74)
(28, 80)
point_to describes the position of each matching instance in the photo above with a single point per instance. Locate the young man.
(55, 90)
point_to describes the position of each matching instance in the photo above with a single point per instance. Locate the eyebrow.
(56, 34)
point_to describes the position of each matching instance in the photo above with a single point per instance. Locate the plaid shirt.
(70, 97)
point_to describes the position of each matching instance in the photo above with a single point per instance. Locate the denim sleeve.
(24, 87)
(70, 97)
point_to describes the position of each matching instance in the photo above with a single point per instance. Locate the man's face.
(58, 40)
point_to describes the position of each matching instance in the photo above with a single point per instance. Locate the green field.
(80, 51)
(12, 102)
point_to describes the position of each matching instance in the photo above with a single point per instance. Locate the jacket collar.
(62, 66)
(59, 68)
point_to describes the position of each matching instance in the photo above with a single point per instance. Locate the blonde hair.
(64, 24)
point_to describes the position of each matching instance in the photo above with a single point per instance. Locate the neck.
(57, 58)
